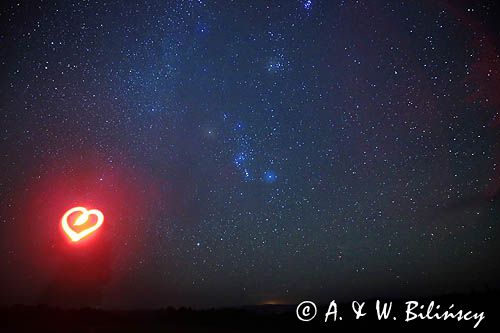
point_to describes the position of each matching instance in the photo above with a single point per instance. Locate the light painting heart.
(83, 218)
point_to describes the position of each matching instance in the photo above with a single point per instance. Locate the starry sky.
(249, 152)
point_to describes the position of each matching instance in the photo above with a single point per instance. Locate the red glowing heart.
(83, 218)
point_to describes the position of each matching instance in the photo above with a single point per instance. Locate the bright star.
(270, 176)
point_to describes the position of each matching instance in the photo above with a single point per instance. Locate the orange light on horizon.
(81, 220)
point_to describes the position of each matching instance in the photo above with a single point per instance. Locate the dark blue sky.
(249, 152)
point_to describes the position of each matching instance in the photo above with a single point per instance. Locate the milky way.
(267, 151)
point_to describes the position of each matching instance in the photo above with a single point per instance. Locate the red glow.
(81, 219)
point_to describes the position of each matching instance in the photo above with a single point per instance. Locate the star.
(270, 176)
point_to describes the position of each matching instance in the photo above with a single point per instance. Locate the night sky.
(249, 152)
